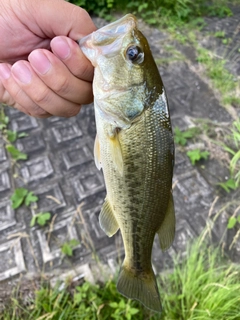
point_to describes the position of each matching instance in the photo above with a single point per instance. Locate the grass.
(222, 80)
(159, 11)
(203, 285)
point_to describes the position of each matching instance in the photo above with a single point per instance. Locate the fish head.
(123, 78)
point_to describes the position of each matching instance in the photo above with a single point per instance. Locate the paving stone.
(184, 233)
(194, 188)
(61, 171)
(190, 96)
(66, 132)
(88, 183)
(51, 244)
(7, 216)
(77, 156)
(3, 156)
(81, 272)
(14, 113)
(5, 184)
(50, 198)
(11, 259)
(36, 169)
(32, 143)
(24, 123)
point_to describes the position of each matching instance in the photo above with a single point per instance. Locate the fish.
(134, 147)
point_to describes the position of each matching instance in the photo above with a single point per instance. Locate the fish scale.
(134, 147)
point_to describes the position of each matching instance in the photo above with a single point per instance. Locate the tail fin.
(142, 287)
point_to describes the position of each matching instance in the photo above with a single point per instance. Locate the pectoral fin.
(97, 153)
(107, 220)
(166, 231)
(116, 153)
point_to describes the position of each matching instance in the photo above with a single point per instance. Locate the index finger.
(71, 55)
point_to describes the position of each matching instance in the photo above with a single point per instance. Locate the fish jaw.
(108, 39)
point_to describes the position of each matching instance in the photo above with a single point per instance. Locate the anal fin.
(166, 231)
(107, 220)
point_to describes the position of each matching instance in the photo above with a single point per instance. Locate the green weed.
(233, 221)
(68, 246)
(196, 155)
(163, 12)
(173, 56)
(4, 120)
(219, 34)
(232, 146)
(10, 137)
(22, 195)
(15, 153)
(221, 78)
(228, 185)
(201, 286)
(181, 137)
(42, 218)
(174, 11)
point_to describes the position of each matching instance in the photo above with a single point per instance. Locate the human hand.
(49, 83)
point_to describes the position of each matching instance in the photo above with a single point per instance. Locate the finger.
(56, 17)
(42, 96)
(12, 95)
(56, 76)
(40, 93)
(72, 56)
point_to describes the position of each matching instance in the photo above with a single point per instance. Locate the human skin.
(43, 72)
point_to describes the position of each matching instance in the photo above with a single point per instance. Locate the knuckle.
(38, 112)
(41, 97)
(79, 11)
(61, 86)
(7, 98)
(72, 112)
(86, 71)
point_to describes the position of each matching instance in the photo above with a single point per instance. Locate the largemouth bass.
(135, 149)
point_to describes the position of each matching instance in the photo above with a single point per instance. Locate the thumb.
(58, 17)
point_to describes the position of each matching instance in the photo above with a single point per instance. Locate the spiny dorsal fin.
(166, 231)
(107, 220)
(97, 153)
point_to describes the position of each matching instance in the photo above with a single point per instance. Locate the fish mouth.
(116, 29)
(107, 39)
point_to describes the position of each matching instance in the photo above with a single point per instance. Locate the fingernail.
(60, 48)
(39, 61)
(5, 71)
(22, 72)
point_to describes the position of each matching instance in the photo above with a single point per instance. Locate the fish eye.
(135, 54)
